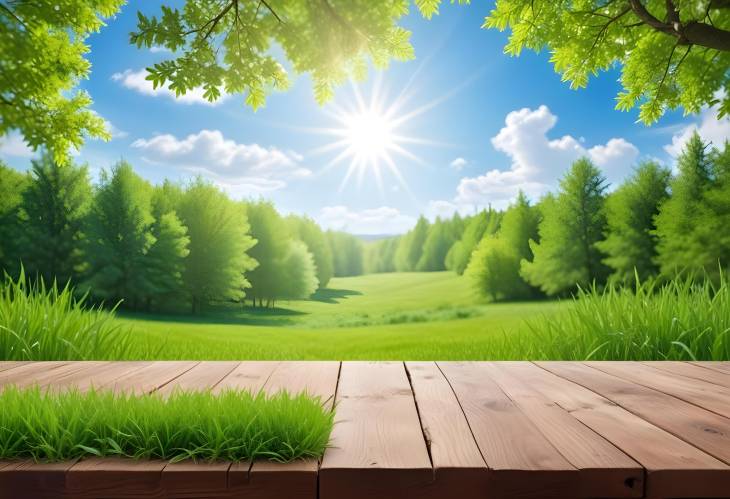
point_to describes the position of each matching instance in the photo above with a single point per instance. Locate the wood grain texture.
(26, 478)
(603, 469)
(377, 446)
(458, 465)
(718, 366)
(703, 394)
(150, 377)
(11, 364)
(20, 375)
(203, 377)
(523, 461)
(109, 477)
(703, 429)
(693, 371)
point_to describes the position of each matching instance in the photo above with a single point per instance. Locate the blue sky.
(494, 124)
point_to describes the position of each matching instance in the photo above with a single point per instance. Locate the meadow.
(422, 315)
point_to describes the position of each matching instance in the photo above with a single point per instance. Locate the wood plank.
(197, 479)
(459, 468)
(61, 377)
(694, 371)
(106, 374)
(150, 377)
(674, 468)
(11, 364)
(204, 376)
(604, 470)
(249, 375)
(377, 446)
(298, 479)
(523, 461)
(115, 477)
(20, 374)
(700, 393)
(26, 478)
(723, 367)
(703, 429)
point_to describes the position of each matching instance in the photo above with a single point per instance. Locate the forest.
(182, 247)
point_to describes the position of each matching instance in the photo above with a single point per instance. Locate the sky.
(481, 125)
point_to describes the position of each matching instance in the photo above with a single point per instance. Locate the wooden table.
(428, 430)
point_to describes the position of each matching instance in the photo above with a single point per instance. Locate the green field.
(379, 316)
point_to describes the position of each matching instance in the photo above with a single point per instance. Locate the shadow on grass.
(333, 295)
(224, 315)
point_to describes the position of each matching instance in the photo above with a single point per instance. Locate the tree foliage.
(630, 243)
(300, 272)
(119, 237)
(306, 230)
(54, 209)
(494, 266)
(410, 247)
(672, 53)
(689, 225)
(219, 242)
(272, 246)
(42, 60)
(347, 254)
(573, 222)
(12, 185)
(481, 224)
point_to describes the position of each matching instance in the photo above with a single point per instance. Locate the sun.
(369, 134)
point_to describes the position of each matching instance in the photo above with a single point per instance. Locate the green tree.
(12, 185)
(54, 210)
(380, 255)
(438, 241)
(630, 243)
(687, 221)
(714, 225)
(494, 267)
(410, 247)
(120, 237)
(268, 279)
(672, 52)
(42, 51)
(347, 254)
(484, 222)
(300, 271)
(219, 242)
(165, 260)
(573, 222)
(307, 231)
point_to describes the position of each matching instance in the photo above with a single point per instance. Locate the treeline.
(653, 225)
(158, 247)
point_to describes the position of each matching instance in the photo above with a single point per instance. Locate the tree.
(410, 247)
(120, 237)
(219, 242)
(714, 225)
(494, 266)
(300, 271)
(380, 255)
(347, 253)
(42, 60)
(573, 222)
(307, 231)
(687, 221)
(272, 235)
(54, 210)
(165, 262)
(673, 53)
(630, 243)
(438, 241)
(12, 185)
(484, 222)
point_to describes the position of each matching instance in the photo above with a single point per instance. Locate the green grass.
(39, 323)
(231, 426)
(384, 316)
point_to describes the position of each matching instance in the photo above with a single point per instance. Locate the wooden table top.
(428, 430)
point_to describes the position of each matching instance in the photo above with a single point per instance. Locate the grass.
(413, 316)
(231, 425)
(40, 323)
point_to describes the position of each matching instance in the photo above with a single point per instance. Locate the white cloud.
(708, 126)
(135, 80)
(13, 144)
(539, 161)
(239, 168)
(458, 164)
(157, 49)
(382, 220)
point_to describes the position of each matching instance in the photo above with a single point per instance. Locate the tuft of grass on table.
(39, 322)
(231, 425)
